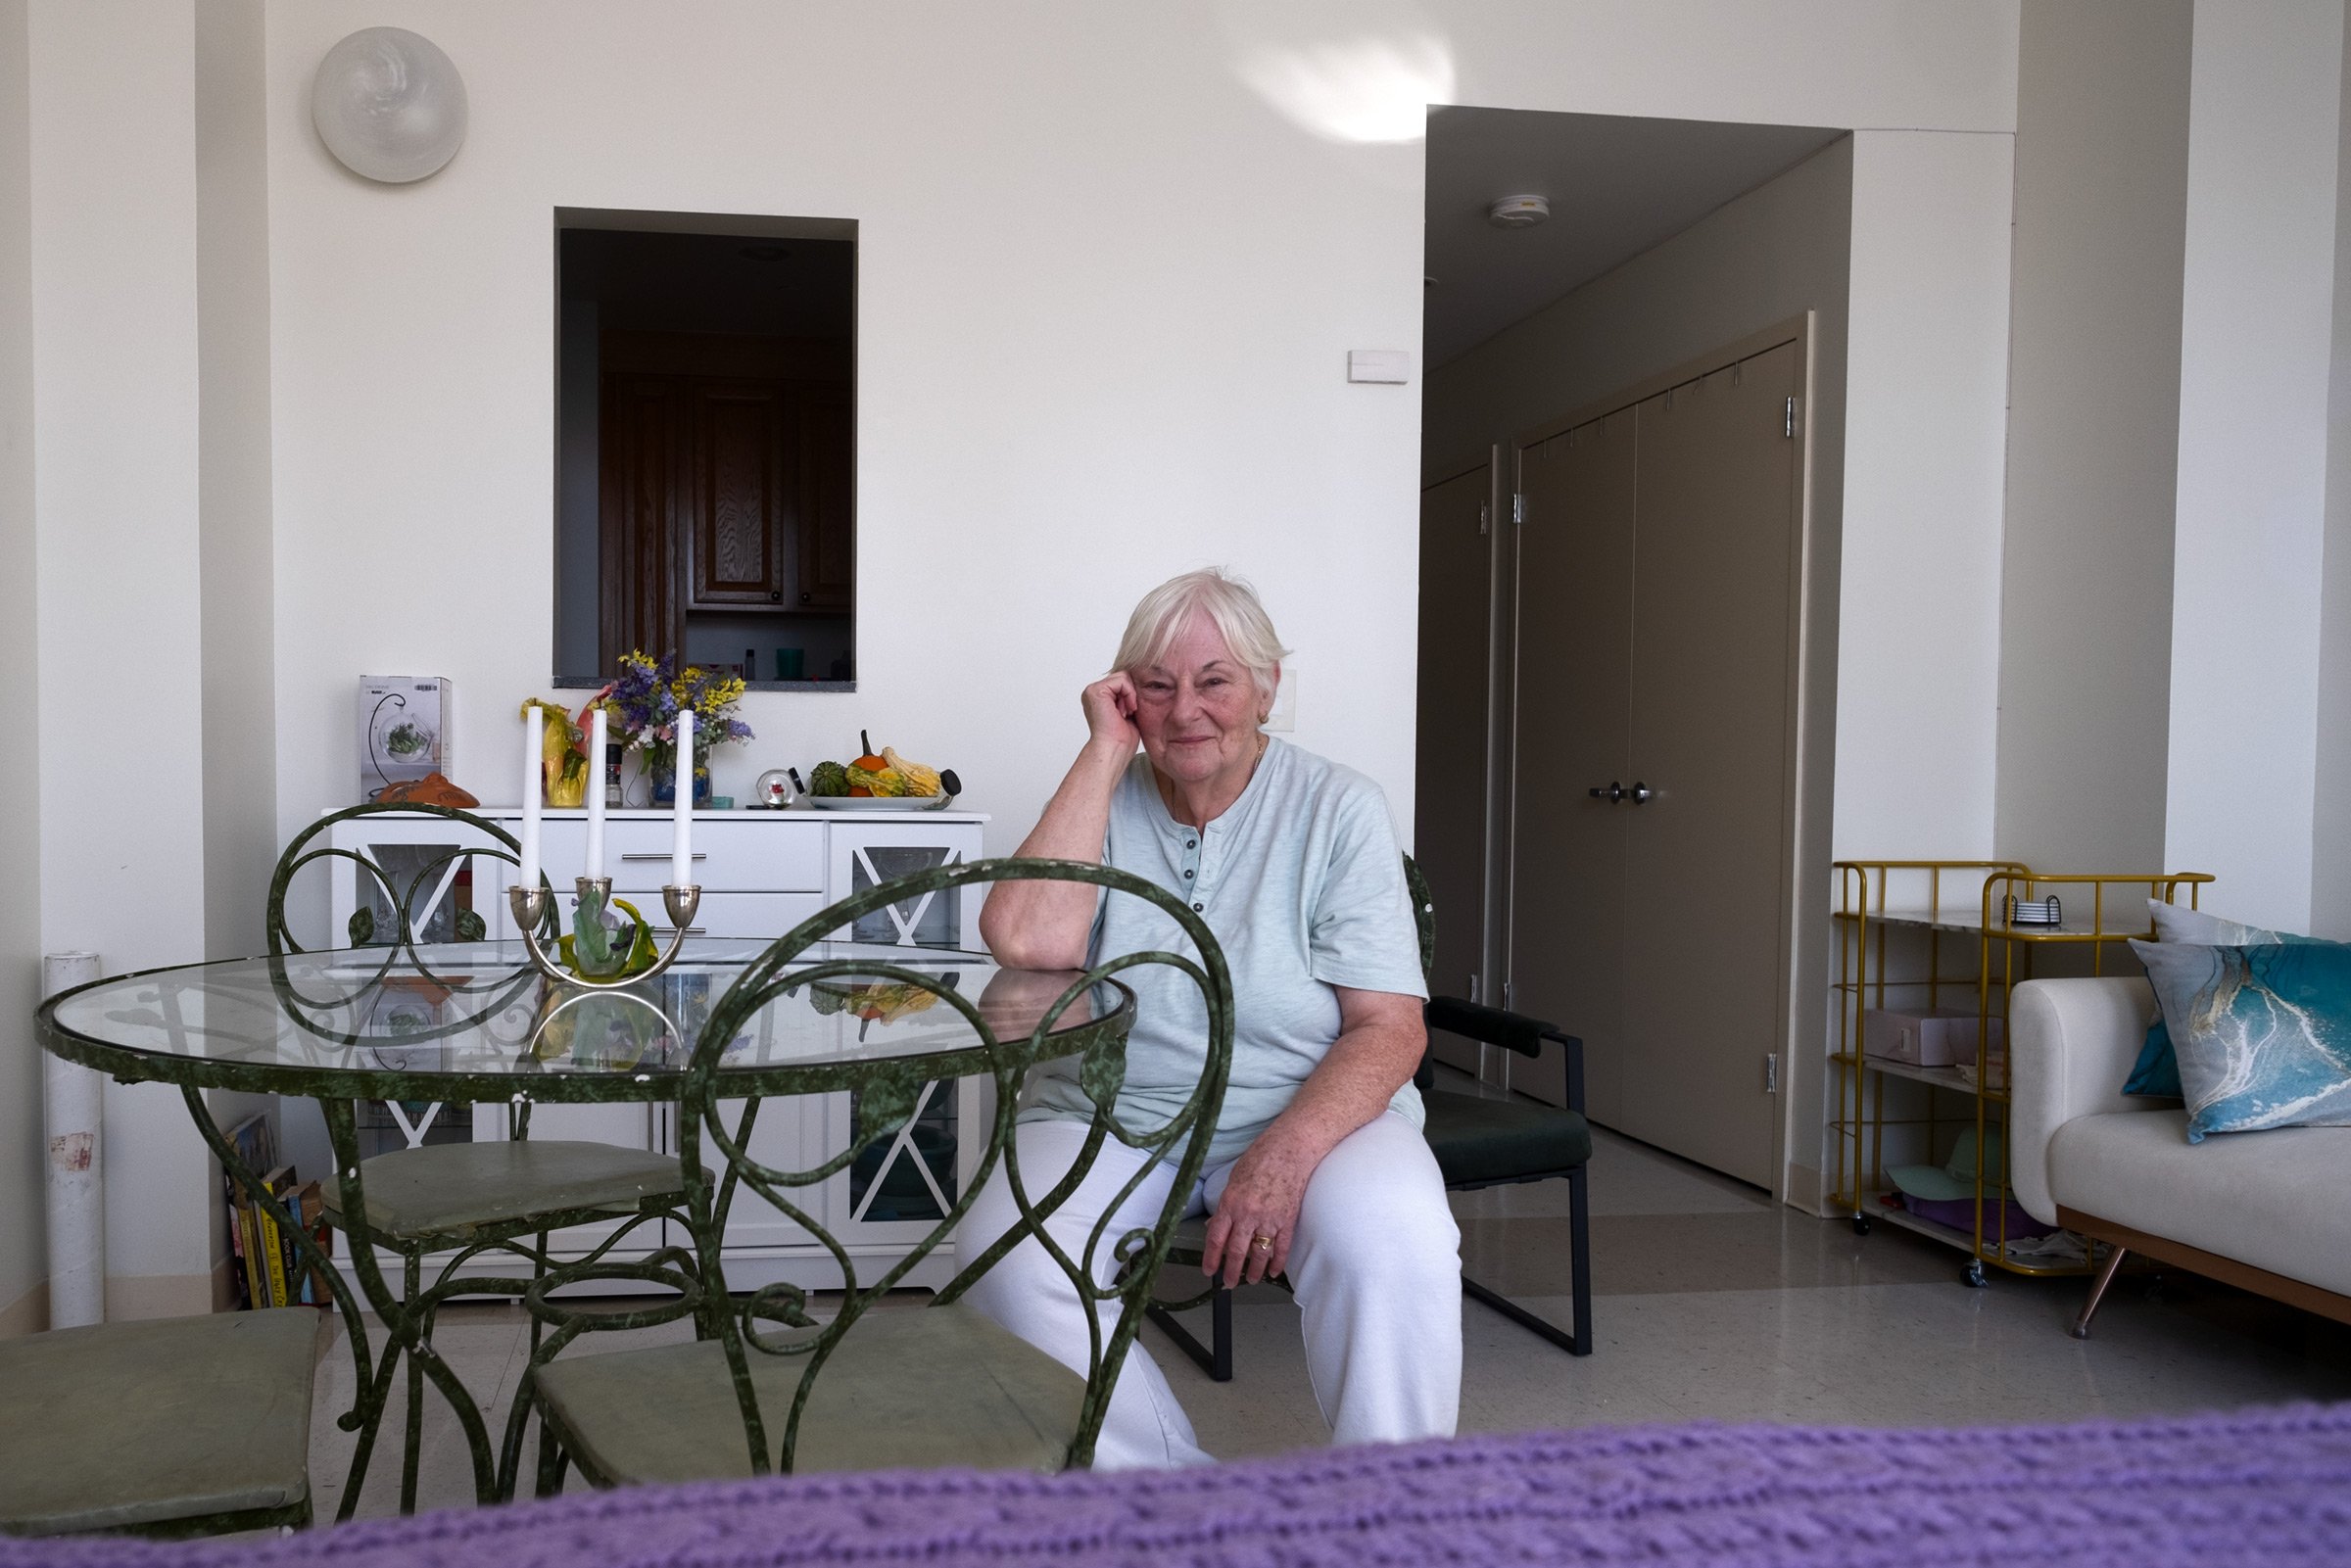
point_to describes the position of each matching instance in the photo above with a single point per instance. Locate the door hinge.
(1506, 996)
(1788, 429)
(1485, 516)
(1771, 1073)
(1473, 996)
(1517, 511)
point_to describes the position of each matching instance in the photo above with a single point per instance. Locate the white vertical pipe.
(76, 1104)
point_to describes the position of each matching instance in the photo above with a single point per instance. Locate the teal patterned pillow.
(2263, 1033)
(2157, 1071)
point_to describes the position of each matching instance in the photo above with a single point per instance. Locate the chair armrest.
(2071, 1045)
(1512, 1031)
(1490, 1026)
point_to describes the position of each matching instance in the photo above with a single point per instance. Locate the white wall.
(2330, 856)
(2094, 429)
(24, 1263)
(1926, 390)
(235, 548)
(2256, 342)
(1058, 406)
(115, 494)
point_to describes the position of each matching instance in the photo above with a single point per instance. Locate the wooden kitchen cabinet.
(827, 511)
(741, 493)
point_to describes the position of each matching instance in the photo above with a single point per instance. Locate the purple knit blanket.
(2268, 1487)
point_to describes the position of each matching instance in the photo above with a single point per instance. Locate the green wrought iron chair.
(461, 1199)
(1478, 1142)
(939, 1385)
(185, 1426)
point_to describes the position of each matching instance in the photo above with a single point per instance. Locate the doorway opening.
(1633, 423)
(706, 501)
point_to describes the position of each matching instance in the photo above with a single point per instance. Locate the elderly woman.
(1317, 1169)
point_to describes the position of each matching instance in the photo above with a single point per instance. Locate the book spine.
(311, 1210)
(273, 1252)
(256, 1286)
(236, 1248)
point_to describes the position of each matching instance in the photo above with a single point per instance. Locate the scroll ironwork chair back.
(434, 878)
(554, 1186)
(1106, 1269)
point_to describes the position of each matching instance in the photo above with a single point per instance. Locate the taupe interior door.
(1574, 655)
(1706, 852)
(1451, 779)
(1654, 651)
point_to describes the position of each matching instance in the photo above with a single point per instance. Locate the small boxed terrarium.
(403, 729)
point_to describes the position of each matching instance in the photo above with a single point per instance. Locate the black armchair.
(1479, 1141)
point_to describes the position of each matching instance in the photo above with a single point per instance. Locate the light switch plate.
(1381, 366)
(1284, 717)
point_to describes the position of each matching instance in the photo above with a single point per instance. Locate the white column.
(115, 461)
(2258, 306)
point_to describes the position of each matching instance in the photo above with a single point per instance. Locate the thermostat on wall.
(1386, 366)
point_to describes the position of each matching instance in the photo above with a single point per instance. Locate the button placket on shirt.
(1200, 875)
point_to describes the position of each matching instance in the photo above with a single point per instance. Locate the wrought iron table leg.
(366, 1417)
(404, 1325)
(412, 1441)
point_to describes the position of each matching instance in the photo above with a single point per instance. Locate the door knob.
(1640, 793)
(1611, 791)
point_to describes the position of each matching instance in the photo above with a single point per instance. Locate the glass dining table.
(476, 1023)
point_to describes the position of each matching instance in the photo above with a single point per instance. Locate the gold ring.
(1261, 1243)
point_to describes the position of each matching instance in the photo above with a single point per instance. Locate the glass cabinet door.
(865, 855)
(903, 1185)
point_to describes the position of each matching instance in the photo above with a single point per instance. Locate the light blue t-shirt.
(1302, 882)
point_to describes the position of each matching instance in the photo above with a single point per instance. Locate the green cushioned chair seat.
(1480, 1140)
(443, 1189)
(909, 1388)
(134, 1425)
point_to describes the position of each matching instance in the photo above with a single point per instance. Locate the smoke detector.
(1519, 212)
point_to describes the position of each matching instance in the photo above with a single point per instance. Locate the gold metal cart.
(1940, 933)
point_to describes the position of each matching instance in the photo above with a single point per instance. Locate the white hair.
(1229, 604)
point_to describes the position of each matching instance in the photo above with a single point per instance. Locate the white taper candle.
(595, 794)
(534, 754)
(681, 838)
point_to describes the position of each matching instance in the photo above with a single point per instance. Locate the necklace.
(1167, 786)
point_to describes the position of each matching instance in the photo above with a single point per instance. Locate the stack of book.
(271, 1269)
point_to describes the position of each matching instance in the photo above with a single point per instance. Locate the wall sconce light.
(389, 104)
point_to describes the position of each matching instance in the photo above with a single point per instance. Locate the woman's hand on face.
(1110, 706)
(1262, 1198)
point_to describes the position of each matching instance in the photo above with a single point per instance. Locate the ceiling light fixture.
(1519, 212)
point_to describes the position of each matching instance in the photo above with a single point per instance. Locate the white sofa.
(2270, 1211)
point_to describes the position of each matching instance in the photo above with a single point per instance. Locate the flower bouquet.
(645, 703)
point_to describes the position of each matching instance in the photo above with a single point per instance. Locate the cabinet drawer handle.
(662, 855)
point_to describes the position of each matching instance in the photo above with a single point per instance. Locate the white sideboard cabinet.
(761, 874)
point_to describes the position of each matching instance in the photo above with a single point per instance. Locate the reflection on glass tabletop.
(479, 1009)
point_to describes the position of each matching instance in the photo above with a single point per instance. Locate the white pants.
(1376, 1263)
